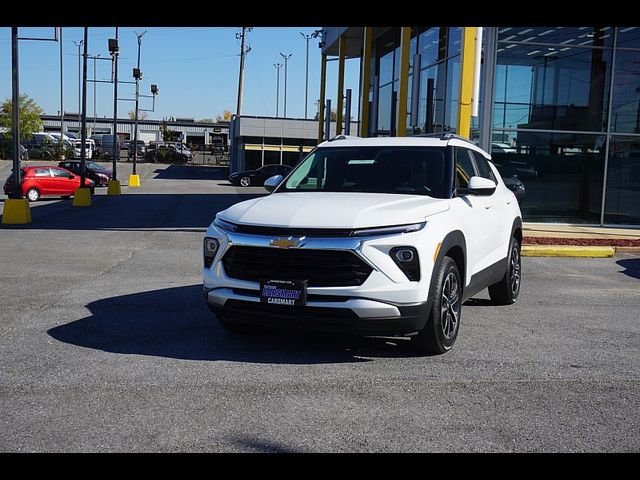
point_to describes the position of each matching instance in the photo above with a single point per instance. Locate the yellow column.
(366, 81)
(323, 79)
(466, 81)
(403, 84)
(340, 99)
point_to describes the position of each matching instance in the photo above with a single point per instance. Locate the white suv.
(373, 236)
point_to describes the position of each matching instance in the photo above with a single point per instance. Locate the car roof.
(413, 141)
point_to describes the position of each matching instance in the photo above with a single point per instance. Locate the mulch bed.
(591, 242)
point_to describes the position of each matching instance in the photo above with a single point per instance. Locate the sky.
(195, 68)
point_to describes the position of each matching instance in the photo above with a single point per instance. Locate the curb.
(567, 251)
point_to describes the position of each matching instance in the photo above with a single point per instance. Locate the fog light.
(406, 258)
(211, 246)
(405, 255)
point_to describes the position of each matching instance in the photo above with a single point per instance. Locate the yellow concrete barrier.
(16, 211)
(113, 187)
(82, 197)
(566, 251)
(134, 180)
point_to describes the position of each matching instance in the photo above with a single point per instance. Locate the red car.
(38, 181)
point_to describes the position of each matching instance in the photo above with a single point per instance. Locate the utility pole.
(79, 44)
(83, 132)
(277, 65)
(242, 37)
(138, 76)
(94, 92)
(15, 87)
(286, 59)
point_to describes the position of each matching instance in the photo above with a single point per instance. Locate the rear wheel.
(33, 194)
(506, 291)
(443, 324)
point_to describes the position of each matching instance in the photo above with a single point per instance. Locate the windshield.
(405, 170)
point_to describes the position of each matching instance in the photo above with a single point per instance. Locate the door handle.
(487, 206)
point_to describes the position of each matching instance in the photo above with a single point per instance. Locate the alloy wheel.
(515, 270)
(450, 306)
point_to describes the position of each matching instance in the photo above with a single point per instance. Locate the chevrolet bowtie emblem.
(290, 242)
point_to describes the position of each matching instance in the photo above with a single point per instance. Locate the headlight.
(210, 246)
(224, 225)
(413, 227)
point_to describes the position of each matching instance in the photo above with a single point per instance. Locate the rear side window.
(41, 172)
(57, 172)
(464, 168)
(484, 170)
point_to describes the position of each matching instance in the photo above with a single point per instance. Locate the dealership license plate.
(283, 292)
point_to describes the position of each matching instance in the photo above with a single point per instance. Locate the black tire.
(443, 324)
(33, 194)
(245, 182)
(506, 291)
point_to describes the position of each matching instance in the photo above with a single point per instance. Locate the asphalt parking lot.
(106, 346)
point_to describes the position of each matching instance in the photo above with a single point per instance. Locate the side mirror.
(481, 186)
(272, 182)
(72, 177)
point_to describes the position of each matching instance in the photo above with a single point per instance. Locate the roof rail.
(342, 137)
(444, 136)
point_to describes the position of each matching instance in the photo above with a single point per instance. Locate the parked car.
(168, 152)
(142, 148)
(106, 145)
(257, 177)
(371, 236)
(41, 145)
(90, 148)
(6, 149)
(96, 172)
(39, 181)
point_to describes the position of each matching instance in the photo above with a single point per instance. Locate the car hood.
(334, 210)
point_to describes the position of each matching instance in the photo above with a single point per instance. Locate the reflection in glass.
(584, 36)
(561, 173)
(384, 109)
(625, 108)
(622, 203)
(552, 88)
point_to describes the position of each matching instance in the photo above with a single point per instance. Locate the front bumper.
(387, 303)
(355, 315)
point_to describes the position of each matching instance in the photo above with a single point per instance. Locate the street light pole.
(278, 66)
(135, 127)
(113, 48)
(83, 132)
(94, 92)
(61, 98)
(79, 44)
(286, 59)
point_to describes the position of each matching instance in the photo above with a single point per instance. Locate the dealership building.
(558, 107)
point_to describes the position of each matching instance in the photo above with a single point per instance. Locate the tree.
(224, 116)
(168, 135)
(141, 115)
(29, 120)
(206, 120)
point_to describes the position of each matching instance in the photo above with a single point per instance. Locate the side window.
(42, 172)
(464, 168)
(57, 172)
(484, 170)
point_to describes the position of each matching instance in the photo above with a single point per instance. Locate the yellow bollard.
(82, 197)
(134, 180)
(16, 211)
(113, 187)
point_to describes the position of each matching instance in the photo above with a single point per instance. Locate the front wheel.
(245, 181)
(443, 324)
(33, 194)
(506, 291)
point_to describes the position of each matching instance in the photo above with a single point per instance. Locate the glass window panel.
(384, 51)
(552, 89)
(453, 90)
(384, 108)
(622, 204)
(562, 174)
(455, 39)
(628, 37)
(585, 36)
(252, 159)
(625, 108)
(429, 45)
(464, 168)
